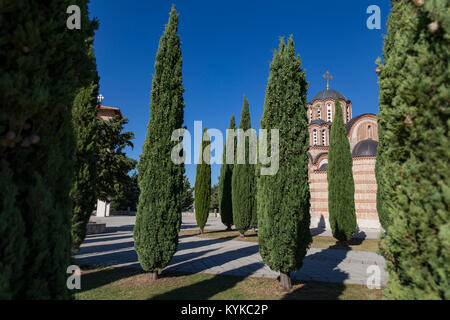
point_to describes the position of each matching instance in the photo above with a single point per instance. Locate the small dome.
(365, 148)
(328, 94)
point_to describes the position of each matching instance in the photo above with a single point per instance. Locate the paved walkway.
(226, 257)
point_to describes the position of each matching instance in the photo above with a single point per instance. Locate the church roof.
(328, 94)
(318, 121)
(365, 148)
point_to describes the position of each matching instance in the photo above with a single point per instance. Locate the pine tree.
(84, 119)
(158, 219)
(203, 183)
(43, 66)
(413, 173)
(243, 179)
(225, 181)
(283, 198)
(113, 165)
(341, 187)
(188, 194)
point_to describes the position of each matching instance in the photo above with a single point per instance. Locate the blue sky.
(227, 47)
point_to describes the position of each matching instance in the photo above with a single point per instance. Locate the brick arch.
(358, 129)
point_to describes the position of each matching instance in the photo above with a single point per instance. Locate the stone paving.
(225, 257)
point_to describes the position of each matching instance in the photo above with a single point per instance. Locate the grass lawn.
(133, 284)
(320, 242)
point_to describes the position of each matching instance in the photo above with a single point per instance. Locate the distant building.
(106, 113)
(362, 132)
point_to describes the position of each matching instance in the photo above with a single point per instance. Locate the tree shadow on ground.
(108, 275)
(206, 289)
(211, 261)
(321, 267)
(96, 279)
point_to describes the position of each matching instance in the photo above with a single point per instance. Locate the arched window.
(315, 137)
(310, 114)
(329, 114)
(324, 137)
(348, 113)
(319, 115)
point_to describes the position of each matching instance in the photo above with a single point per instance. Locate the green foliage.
(158, 219)
(83, 193)
(225, 181)
(188, 194)
(43, 65)
(113, 165)
(214, 198)
(203, 182)
(127, 194)
(243, 180)
(283, 199)
(413, 172)
(341, 187)
(84, 120)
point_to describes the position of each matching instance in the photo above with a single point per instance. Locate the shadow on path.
(321, 267)
(211, 261)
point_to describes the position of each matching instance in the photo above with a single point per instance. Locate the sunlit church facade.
(362, 132)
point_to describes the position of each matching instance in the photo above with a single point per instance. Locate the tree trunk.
(254, 229)
(285, 281)
(154, 275)
(229, 228)
(201, 231)
(242, 235)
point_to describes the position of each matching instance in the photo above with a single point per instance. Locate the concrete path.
(226, 257)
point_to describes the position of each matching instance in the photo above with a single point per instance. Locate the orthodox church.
(362, 132)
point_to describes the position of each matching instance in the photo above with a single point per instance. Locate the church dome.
(328, 94)
(365, 148)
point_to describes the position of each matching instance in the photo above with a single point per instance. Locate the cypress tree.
(243, 179)
(84, 119)
(256, 171)
(283, 198)
(413, 172)
(43, 66)
(341, 187)
(202, 186)
(158, 218)
(225, 181)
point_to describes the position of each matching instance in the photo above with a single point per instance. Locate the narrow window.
(315, 137)
(310, 114)
(324, 137)
(319, 116)
(329, 114)
(348, 113)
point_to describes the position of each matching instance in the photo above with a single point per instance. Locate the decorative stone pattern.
(363, 127)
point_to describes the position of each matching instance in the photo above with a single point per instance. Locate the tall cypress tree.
(243, 179)
(341, 187)
(84, 118)
(413, 173)
(43, 66)
(225, 181)
(202, 186)
(158, 218)
(283, 198)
